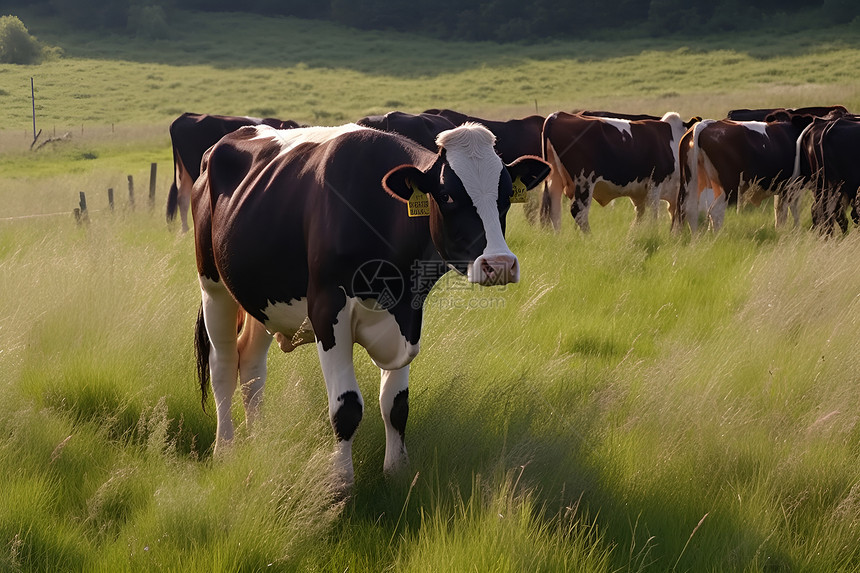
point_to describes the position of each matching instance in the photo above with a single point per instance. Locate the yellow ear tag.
(419, 204)
(519, 191)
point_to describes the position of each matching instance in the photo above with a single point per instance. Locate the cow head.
(469, 191)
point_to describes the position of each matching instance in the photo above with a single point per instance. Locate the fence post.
(84, 217)
(131, 192)
(153, 170)
(110, 198)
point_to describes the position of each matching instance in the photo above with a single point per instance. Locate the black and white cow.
(191, 134)
(603, 158)
(310, 232)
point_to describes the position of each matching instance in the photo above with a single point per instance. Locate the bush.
(17, 46)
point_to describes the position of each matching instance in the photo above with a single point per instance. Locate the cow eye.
(445, 198)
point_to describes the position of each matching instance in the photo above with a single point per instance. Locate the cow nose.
(495, 269)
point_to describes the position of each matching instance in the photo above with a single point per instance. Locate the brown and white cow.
(603, 158)
(191, 135)
(310, 232)
(827, 154)
(724, 158)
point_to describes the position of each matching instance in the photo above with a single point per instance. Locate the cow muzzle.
(494, 270)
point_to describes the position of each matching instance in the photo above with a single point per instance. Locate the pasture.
(638, 402)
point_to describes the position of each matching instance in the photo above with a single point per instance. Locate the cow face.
(469, 191)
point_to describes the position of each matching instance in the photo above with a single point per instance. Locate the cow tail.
(688, 158)
(202, 345)
(173, 194)
(546, 202)
(688, 162)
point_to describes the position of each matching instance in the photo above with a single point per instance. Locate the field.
(641, 401)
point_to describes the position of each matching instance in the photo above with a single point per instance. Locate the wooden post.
(33, 97)
(131, 192)
(84, 217)
(153, 170)
(110, 198)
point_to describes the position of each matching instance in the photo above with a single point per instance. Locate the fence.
(81, 213)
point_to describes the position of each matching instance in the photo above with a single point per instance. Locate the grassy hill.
(639, 402)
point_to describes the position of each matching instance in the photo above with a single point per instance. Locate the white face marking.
(470, 152)
(290, 138)
(471, 155)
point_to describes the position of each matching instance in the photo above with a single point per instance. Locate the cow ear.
(530, 169)
(402, 181)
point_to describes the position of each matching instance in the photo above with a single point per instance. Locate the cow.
(827, 153)
(630, 116)
(744, 114)
(514, 138)
(422, 128)
(604, 158)
(727, 158)
(781, 113)
(191, 134)
(310, 231)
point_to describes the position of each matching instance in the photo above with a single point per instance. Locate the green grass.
(240, 64)
(586, 419)
(639, 402)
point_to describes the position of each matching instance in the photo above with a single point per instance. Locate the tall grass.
(640, 402)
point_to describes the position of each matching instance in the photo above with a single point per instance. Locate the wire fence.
(81, 212)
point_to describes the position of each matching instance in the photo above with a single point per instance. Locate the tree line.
(494, 20)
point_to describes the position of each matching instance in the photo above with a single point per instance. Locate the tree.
(17, 46)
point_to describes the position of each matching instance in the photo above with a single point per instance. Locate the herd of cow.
(693, 166)
(336, 235)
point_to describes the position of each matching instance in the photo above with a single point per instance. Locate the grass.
(639, 402)
(240, 64)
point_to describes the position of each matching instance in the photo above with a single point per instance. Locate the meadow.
(640, 401)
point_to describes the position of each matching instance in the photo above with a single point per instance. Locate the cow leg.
(345, 404)
(184, 187)
(253, 346)
(552, 199)
(219, 313)
(787, 199)
(554, 186)
(184, 200)
(394, 405)
(717, 212)
(690, 208)
(580, 204)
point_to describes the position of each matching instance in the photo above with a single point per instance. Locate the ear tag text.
(419, 203)
(519, 191)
